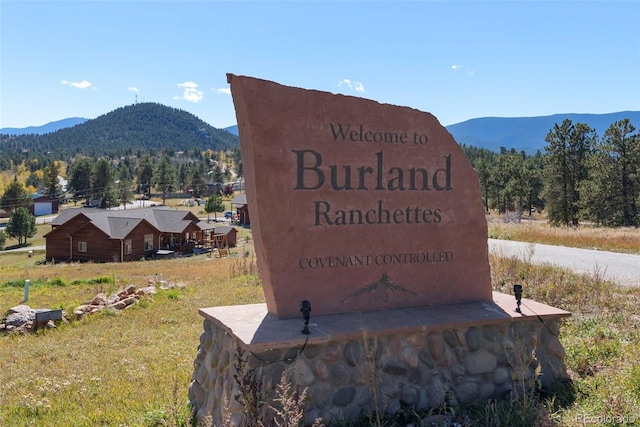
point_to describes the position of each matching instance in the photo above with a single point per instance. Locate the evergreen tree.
(33, 181)
(145, 176)
(214, 204)
(565, 169)
(102, 184)
(50, 180)
(183, 176)
(198, 183)
(80, 179)
(484, 166)
(3, 240)
(512, 181)
(15, 196)
(217, 176)
(534, 167)
(164, 178)
(21, 225)
(125, 195)
(611, 196)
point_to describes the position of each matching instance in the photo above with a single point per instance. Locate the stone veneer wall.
(423, 369)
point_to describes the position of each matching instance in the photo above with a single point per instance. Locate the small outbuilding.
(43, 205)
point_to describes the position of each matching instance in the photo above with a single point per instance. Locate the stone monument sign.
(356, 205)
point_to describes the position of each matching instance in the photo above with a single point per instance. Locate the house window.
(148, 242)
(127, 247)
(82, 246)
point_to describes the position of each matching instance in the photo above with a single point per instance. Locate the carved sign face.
(357, 205)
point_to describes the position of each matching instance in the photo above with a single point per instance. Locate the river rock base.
(424, 358)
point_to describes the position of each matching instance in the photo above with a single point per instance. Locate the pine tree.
(125, 195)
(102, 184)
(15, 197)
(198, 184)
(21, 225)
(50, 180)
(611, 196)
(214, 204)
(80, 179)
(164, 178)
(565, 170)
(145, 176)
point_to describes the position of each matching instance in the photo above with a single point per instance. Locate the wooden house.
(226, 234)
(87, 234)
(242, 211)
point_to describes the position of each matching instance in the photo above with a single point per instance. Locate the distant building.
(43, 205)
(242, 211)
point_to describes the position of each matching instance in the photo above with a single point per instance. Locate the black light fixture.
(517, 291)
(305, 309)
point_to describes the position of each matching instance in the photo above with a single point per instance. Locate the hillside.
(142, 127)
(528, 133)
(46, 128)
(149, 126)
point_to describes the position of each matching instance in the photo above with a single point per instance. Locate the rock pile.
(118, 301)
(21, 318)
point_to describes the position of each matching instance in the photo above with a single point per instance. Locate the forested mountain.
(527, 133)
(46, 128)
(135, 129)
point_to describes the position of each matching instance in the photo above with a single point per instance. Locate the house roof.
(204, 225)
(42, 197)
(223, 230)
(119, 223)
(240, 199)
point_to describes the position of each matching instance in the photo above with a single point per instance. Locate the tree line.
(580, 177)
(107, 183)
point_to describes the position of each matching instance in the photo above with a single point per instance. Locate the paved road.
(620, 268)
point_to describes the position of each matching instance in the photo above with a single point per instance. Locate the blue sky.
(457, 60)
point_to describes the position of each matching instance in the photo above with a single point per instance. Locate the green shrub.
(57, 281)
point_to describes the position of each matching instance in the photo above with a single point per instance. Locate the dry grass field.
(622, 239)
(132, 368)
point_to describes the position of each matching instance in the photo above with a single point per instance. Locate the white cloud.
(190, 92)
(80, 85)
(468, 71)
(353, 85)
(133, 89)
(223, 91)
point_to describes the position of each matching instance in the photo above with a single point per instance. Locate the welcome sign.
(357, 205)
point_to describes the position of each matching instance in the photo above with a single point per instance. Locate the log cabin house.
(87, 234)
(242, 211)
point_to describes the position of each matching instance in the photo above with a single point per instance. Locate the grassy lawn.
(119, 368)
(133, 367)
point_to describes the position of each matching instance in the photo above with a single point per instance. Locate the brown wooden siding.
(58, 242)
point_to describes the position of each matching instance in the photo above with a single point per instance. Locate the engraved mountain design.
(381, 287)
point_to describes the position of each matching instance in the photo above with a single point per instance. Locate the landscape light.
(517, 291)
(305, 309)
